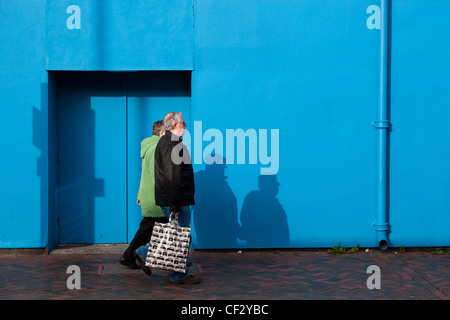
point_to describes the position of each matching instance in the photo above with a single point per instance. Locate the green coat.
(146, 192)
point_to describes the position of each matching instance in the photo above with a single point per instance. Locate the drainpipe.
(383, 125)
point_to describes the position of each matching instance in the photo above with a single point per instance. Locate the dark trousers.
(142, 236)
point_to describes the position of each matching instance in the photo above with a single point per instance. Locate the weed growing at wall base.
(340, 250)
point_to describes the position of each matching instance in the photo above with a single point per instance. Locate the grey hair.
(171, 119)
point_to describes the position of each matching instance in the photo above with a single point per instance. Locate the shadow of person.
(215, 214)
(263, 219)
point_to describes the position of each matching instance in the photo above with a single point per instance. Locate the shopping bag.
(169, 246)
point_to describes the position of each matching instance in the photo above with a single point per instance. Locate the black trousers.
(142, 236)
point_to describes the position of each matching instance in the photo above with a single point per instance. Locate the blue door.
(149, 99)
(102, 119)
(92, 157)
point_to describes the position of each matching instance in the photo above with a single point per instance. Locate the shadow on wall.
(264, 221)
(40, 122)
(216, 221)
(216, 214)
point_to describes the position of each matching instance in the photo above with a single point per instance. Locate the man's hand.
(175, 213)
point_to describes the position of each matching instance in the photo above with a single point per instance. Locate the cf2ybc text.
(246, 309)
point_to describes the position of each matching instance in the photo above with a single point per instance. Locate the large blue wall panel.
(309, 70)
(118, 35)
(420, 152)
(298, 81)
(23, 125)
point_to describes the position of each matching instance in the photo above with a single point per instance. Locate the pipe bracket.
(381, 226)
(381, 124)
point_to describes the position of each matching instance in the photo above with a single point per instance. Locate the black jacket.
(174, 178)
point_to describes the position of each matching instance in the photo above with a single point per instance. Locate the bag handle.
(173, 221)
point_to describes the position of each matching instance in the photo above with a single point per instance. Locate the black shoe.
(142, 265)
(128, 264)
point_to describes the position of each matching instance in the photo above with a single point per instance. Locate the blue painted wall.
(317, 82)
(113, 35)
(23, 125)
(420, 152)
(305, 70)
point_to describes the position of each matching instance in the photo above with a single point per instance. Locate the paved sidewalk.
(230, 275)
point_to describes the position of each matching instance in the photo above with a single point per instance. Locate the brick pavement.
(233, 275)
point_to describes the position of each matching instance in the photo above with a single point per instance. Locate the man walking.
(146, 199)
(174, 180)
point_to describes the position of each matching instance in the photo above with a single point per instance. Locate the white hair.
(171, 119)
